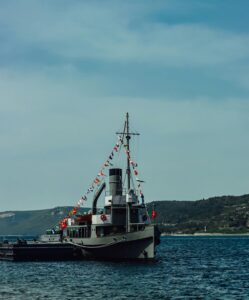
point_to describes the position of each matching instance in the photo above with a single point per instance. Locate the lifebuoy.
(103, 217)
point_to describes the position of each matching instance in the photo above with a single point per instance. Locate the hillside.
(227, 214)
(31, 222)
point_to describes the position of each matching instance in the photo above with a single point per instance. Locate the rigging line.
(119, 152)
(96, 184)
(133, 184)
(121, 141)
(124, 131)
(136, 149)
(139, 189)
(123, 184)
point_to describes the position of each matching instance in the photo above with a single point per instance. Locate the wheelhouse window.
(78, 232)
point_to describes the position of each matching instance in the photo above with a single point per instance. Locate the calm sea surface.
(187, 268)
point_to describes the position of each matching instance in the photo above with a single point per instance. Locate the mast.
(128, 171)
(128, 168)
(127, 134)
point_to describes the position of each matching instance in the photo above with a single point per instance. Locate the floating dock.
(39, 251)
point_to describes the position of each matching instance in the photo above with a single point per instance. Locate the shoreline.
(205, 234)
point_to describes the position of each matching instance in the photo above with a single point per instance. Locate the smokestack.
(115, 181)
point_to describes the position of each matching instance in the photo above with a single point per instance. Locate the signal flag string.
(96, 182)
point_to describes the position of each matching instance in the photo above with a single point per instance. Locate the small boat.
(122, 230)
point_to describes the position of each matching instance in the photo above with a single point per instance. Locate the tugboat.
(121, 231)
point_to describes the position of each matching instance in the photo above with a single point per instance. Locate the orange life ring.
(103, 217)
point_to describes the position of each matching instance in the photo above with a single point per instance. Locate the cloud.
(112, 33)
(54, 137)
(125, 49)
(70, 70)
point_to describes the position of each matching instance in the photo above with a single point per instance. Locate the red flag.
(101, 174)
(154, 214)
(63, 223)
(96, 180)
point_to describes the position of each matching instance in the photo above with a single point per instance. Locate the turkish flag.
(154, 214)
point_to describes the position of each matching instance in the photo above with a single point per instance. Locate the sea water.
(186, 268)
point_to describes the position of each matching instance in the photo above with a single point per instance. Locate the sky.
(70, 70)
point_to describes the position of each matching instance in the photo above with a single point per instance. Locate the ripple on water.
(187, 268)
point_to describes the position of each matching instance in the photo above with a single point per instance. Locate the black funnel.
(115, 181)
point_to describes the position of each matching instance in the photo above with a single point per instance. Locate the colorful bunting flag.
(101, 174)
(63, 223)
(96, 180)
